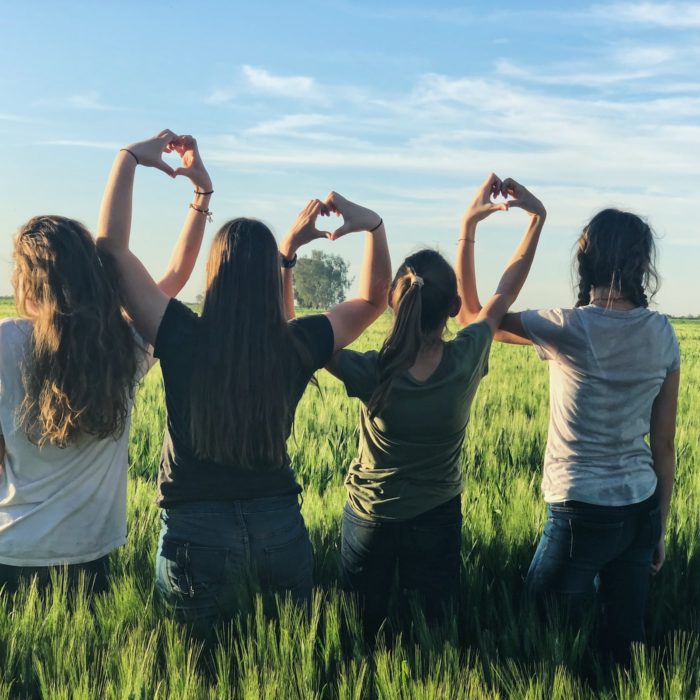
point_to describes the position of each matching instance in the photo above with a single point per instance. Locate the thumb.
(162, 165)
(341, 231)
(501, 206)
(182, 171)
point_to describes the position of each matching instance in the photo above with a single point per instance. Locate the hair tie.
(417, 280)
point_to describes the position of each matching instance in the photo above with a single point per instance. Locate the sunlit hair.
(80, 365)
(616, 252)
(423, 295)
(240, 407)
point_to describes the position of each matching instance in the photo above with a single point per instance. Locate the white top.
(57, 506)
(606, 368)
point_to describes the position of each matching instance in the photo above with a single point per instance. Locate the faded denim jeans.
(213, 554)
(426, 550)
(588, 552)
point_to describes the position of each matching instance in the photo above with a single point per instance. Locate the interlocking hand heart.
(512, 192)
(355, 218)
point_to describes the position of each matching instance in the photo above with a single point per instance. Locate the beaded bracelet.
(206, 212)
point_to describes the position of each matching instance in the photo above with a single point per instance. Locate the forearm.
(465, 268)
(186, 251)
(114, 223)
(375, 277)
(519, 265)
(288, 249)
(665, 468)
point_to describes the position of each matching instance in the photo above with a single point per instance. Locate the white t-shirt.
(57, 506)
(606, 368)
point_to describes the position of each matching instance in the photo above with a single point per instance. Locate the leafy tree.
(320, 280)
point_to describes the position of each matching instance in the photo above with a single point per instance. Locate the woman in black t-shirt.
(233, 377)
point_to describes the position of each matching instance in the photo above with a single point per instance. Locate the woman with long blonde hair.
(69, 365)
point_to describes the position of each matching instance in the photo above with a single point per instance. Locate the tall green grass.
(128, 647)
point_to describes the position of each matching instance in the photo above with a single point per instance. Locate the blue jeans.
(588, 552)
(425, 548)
(212, 555)
(95, 574)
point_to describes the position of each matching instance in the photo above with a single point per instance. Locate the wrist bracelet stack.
(206, 212)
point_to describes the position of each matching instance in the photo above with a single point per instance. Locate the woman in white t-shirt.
(68, 369)
(614, 375)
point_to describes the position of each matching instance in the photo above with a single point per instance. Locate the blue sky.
(403, 106)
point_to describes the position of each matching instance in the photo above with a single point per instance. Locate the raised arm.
(146, 301)
(349, 319)
(518, 267)
(301, 232)
(189, 242)
(662, 440)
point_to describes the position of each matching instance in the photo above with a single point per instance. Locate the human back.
(234, 375)
(606, 369)
(416, 395)
(68, 369)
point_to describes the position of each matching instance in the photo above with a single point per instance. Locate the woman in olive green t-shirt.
(404, 486)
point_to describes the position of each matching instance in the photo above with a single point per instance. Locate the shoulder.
(480, 330)
(178, 322)
(316, 334)
(15, 330)
(315, 329)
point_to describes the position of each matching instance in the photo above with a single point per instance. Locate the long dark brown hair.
(423, 295)
(80, 367)
(616, 251)
(240, 406)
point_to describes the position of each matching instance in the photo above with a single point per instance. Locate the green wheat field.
(494, 648)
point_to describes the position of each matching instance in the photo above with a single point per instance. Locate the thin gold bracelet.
(471, 240)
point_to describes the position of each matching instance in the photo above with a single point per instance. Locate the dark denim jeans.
(588, 552)
(213, 554)
(425, 548)
(95, 573)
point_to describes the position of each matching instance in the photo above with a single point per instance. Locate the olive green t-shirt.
(409, 456)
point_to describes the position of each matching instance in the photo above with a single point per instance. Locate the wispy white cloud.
(87, 100)
(280, 85)
(80, 143)
(682, 15)
(219, 96)
(289, 124)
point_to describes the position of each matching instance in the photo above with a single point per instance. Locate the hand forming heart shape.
(355, 218)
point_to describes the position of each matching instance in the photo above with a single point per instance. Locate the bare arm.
(301, 232)
(517, 269)
(349, 319)
(146, 300)
(662, 439)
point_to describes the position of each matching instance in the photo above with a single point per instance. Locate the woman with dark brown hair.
(614, 372)
(233, 377)
(69, 366)
(404, 506)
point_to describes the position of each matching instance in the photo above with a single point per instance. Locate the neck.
(604, 296)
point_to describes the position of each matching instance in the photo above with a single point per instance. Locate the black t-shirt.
(184, 476)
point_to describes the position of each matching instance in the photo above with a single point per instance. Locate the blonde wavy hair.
(80, 365)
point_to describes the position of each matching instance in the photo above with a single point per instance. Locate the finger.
(501, 206)
(161, 165)
(323, 234)
(510, 187)
(183, 171)
(340, 231)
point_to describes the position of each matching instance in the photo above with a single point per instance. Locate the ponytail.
(401, 348)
